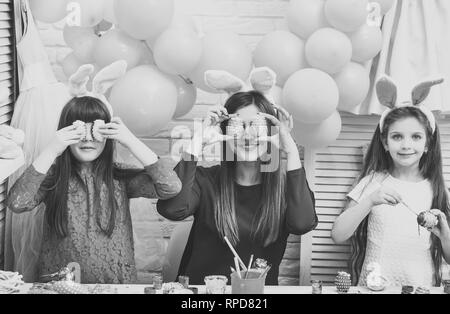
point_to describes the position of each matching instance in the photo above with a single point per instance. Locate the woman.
(254, 208)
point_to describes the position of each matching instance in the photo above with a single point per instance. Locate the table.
(280, 290)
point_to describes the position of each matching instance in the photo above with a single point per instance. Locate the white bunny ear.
(106, 77)
(223, 81)
(263, 79)
(79, 80)
(387, 92)
(422, 91)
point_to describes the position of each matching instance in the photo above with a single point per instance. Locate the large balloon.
(70, 64)
(318, 135)
(177, 51)
(145, 99)
(91, 12)
(49, 11)
(354, 84)
(84, 48)
(116, 45)
(144, 19)
(222, 50)
(187, 95)
(311, 95)
(73, 35)
(306, 16)
(385, 5)
(367, 42)
(109, 14)
(328, 50)
(346, 15)
(283, 52)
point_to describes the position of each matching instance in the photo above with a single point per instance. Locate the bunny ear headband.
(103, 81)
(387, 95)
(261, 79)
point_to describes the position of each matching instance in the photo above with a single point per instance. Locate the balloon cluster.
(320, 62)
(159, 47)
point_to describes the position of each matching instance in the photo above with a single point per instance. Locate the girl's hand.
(117, 131)
(64, 138)
(211, 126)
(385, 196)
(442, 230)
(284, 125)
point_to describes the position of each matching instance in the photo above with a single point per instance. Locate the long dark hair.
(269, 220)
(378, 160)
(86, 109)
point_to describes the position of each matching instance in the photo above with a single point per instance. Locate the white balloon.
(354, 84)
(177, 51)
(109, 13)
(318, 135)
(306, 16)
(70, 64)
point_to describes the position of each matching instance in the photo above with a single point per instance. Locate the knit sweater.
(206, 252)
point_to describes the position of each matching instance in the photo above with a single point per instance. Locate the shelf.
(8, 167)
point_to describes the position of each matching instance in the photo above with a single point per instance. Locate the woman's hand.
(64, 138)
(284, 125)
(211, 133)
(118, 131)
(385, 196)
(442, 230)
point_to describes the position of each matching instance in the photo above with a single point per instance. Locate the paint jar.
(316, 287)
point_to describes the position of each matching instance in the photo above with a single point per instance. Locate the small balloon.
(318, 135)
(145, 99)
(115, 45)
(177, 51)
(354, 84)
(84, 48)
(49, 11)
(306, 16)
(367, 42)
(283, 52)
(187, 96)
(73, 35)
(328, 50)
(70, 64)
(222, 50)
(310, 95)
(346, 15)
(144, 19)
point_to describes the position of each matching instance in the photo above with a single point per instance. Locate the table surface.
(139, 289)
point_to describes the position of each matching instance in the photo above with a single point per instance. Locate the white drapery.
(416, 47)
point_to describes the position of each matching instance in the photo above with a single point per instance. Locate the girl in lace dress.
(87, 218)
(401, 178)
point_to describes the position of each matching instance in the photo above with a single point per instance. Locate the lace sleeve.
(154, 181)
(28, 192)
